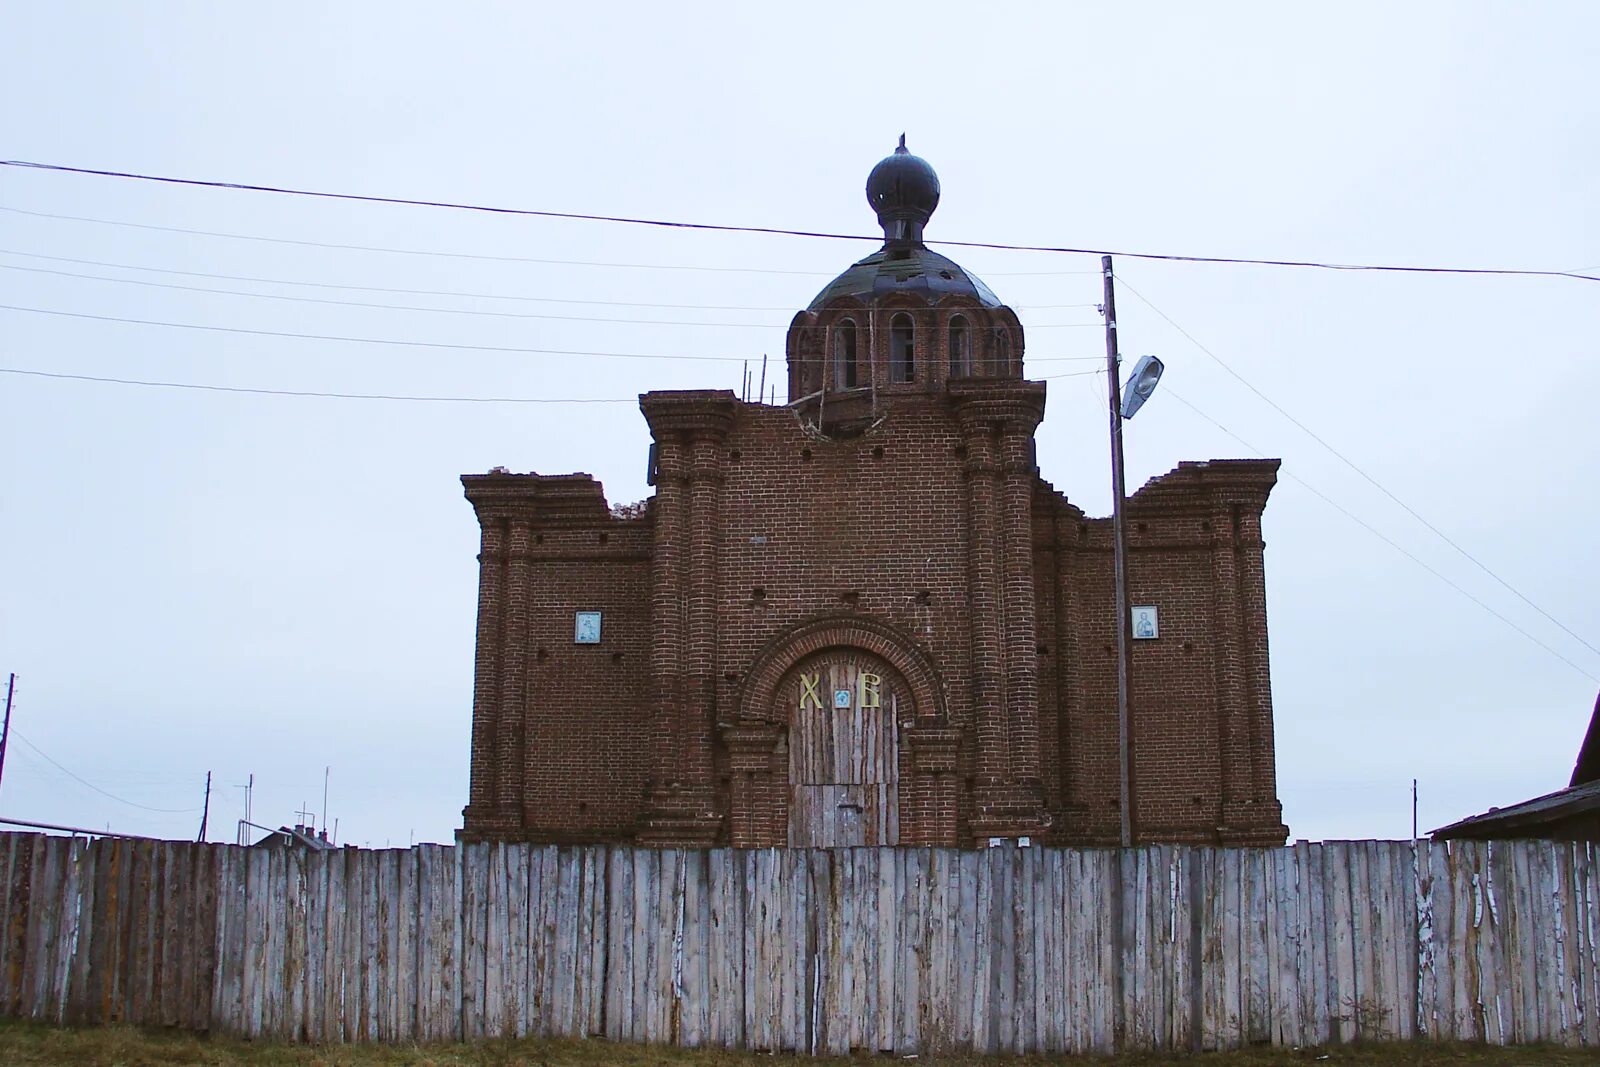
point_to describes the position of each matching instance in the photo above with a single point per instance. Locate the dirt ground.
(32, 1045)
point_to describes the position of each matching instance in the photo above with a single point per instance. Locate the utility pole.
(5, 731)
(205, 810)
(249, 787)
(1119, 535)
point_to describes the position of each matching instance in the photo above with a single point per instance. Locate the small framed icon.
(1146, 623)
(586, 628)
(841, 699)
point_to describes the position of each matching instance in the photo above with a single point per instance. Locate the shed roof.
(1522, 820)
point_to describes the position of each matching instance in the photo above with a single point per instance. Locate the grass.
(34, 1045)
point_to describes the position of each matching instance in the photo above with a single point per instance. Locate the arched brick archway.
(761, 738)
(836, 631)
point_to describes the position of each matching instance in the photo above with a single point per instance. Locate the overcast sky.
(198, 581)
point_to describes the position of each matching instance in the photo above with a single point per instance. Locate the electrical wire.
(313, 393)
(414, 344)
(432, 252)
(389, 249)
(452, 311)
(772, 230)
(85, 782)
(1382, 536)
(384, 341)
(1348, 462)
(786, 309)
(204, 387)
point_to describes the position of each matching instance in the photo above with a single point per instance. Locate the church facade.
(863, 617)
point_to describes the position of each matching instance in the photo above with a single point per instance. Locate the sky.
(195, 581)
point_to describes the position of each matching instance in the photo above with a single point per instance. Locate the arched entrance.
(844, 707)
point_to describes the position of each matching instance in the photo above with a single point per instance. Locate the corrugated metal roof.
(1563, 803)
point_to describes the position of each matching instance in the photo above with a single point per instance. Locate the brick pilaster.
(509, 733)
(486, 669)
(997, 421)
(668, 562)
(700, 660)
(931, 799)
(1233, 728)
(982, 471)
(756, 819)
(1021, 629)
(682, 808)
(1266, 812)
(1071, 752)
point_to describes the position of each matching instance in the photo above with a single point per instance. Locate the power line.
(367, 340)
(414, 344)
(772, 230)
(84, 781)
(1348, 462)
(389, 249)
(312, 393)
(205, 387)
(431, 252)
(786, 309)
(448, 311)
(1384, 538)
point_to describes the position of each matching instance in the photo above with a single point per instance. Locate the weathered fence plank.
(336, 958)
(1585, 903)
(725, 949)
(474, 876)
(907, 951)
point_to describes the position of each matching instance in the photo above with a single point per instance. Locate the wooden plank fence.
(902, 950)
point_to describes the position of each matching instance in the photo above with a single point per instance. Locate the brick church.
(863, 616)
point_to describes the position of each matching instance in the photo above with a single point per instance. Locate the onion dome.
(903, 190)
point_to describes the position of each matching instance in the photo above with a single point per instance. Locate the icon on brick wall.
(841, 698)
(586, 628)
(1146, 626)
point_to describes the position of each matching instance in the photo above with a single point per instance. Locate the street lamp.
(1146, 373)
(1141, 383)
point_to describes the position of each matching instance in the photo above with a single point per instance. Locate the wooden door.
(844, 752)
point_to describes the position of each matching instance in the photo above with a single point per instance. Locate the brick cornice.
(693, 411)
(505, 496)
(983, 402)
(1200, 484)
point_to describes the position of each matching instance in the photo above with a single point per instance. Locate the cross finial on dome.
(902, 147)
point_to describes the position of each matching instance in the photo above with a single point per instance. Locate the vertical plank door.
(844, 753)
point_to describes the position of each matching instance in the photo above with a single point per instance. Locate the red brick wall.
(764, 529)
(869, 526)
(557, 726)
(1200, 694)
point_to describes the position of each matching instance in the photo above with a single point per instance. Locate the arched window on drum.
(1002, 352)
(960, 347)
(844, 355)
(902, 349)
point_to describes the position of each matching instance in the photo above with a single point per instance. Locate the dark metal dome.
(913, 270)
(904, 190)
